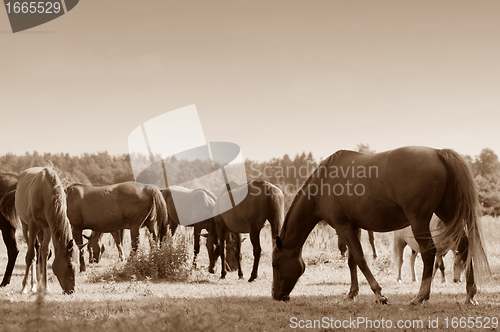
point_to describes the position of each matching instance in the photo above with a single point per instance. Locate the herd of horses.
(412, 184)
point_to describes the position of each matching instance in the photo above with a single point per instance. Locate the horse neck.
(299, 222)
(59, 223)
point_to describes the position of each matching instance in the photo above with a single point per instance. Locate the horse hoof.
(471, 301)
(251, 278)
(381, 300)
(417, 301)
(211, 271)
(350, 297)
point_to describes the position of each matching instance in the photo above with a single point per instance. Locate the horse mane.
(62, 229)
(316, 172)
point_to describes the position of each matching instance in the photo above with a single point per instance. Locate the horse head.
(64, 267)
(288, 266)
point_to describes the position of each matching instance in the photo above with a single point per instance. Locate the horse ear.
(279, 244)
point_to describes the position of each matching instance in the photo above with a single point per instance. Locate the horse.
(111, 208)
(264, 201)
(343, 247)
(96, 248)
(40, 202)
(202, 202)
(8, 182)
(383, 192)
(404, 237)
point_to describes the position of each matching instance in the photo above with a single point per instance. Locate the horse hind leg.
(428, 252)
(439, 264)
(412, 265)
(371, 238)
(470, 287)
(398, 249)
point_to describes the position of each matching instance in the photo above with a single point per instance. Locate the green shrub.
(169, 262)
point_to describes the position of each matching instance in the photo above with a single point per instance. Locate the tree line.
(288, 173)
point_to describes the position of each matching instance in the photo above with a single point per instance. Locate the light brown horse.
(40, 203)
(107, 209)
(383, 192)
(264, 201)
(404, 237)
(201, 202)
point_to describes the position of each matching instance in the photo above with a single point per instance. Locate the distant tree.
(364, 148)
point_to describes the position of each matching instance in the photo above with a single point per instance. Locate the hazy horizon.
(279, 77)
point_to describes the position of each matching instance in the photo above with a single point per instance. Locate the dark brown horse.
(40, 203)
(8, 182)
(404, 237)
(108, 209)
(343, 246)
(264, 201)
(384, 192)
(202, 202)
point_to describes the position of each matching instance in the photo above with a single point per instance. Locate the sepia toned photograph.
(322, 165)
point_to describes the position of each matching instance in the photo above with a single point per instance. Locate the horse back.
(385, 188)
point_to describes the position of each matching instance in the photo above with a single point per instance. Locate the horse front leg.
(9, 237)
(78, 237)
(30, 255)
(196, 235)
(44, 254)
(355, 249)
(134, 235)
(257, 250)
(118, 237)
(351, 262)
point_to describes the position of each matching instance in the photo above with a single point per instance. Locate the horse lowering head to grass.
(263, 201)
(112, 208)
(40, 202)
(383, 192)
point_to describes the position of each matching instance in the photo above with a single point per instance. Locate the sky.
(274, 77)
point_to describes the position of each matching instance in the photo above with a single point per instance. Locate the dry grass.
(204, 302)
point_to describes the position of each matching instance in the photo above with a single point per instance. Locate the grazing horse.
(8, 182)
(264, 201)
(343, 247)
(383, 192)
(202, 202)
(111, 208)
(404, 237)
(40, 202)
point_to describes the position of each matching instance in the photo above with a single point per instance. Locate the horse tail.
(276, 206)
(465, 223)
(158, 212)
(8, 209)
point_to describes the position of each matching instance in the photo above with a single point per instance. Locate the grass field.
(206, 303)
